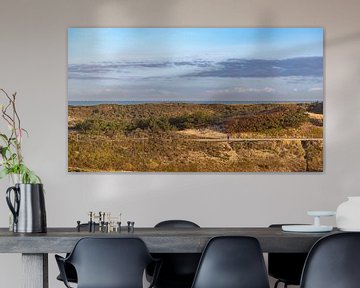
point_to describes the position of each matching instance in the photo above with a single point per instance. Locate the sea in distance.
(93, 103)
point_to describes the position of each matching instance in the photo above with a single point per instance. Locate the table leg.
(35, 270)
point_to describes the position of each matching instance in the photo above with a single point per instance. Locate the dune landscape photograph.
(195, 100)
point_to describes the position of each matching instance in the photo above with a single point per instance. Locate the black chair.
(178, 269)
(286, 267)
(69, 269)
(333, 262)
(232, 262)
(108, 263)
(70, 273)
(176, 224)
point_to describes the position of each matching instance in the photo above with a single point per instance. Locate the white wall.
(33, 62)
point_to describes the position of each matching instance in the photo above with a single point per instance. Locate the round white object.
(348, 214)
(321, 213)
(306, 228)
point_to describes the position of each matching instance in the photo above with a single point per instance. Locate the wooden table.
(35, 247)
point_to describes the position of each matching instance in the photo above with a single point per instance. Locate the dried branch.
(14, 123)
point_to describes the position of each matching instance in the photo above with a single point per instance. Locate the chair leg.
(278, 282)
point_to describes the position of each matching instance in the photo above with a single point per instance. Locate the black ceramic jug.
(28, 208)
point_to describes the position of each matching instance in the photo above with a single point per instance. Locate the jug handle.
(13, 208)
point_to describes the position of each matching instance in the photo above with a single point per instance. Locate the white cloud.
(242, 90)
(315, 89)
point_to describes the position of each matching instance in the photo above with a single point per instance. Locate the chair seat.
(286, 267)
(178, 270)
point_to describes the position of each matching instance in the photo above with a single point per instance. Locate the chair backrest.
(232, 262)
(333, 262)
(110, 262)
(176, 224)
(177, 268)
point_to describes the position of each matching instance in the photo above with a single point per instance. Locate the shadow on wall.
(136, 14)
(349, 38)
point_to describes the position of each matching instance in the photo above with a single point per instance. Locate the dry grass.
(202, 133)
(110, 147)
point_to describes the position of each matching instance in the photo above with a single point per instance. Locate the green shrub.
(316, 107)
(152, 124)
(198, 119)
(99, 126)
(277, 118)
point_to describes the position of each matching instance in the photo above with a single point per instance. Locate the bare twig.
(14, 123)
(13, 162)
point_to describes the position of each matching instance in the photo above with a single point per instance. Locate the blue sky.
(229, 64)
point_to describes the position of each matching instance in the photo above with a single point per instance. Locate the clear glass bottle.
(13, 179)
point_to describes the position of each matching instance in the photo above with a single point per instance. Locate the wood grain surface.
(60, 240)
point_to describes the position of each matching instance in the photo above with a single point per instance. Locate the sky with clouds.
(195, 64)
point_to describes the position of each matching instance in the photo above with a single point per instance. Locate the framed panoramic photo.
(195, 99)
